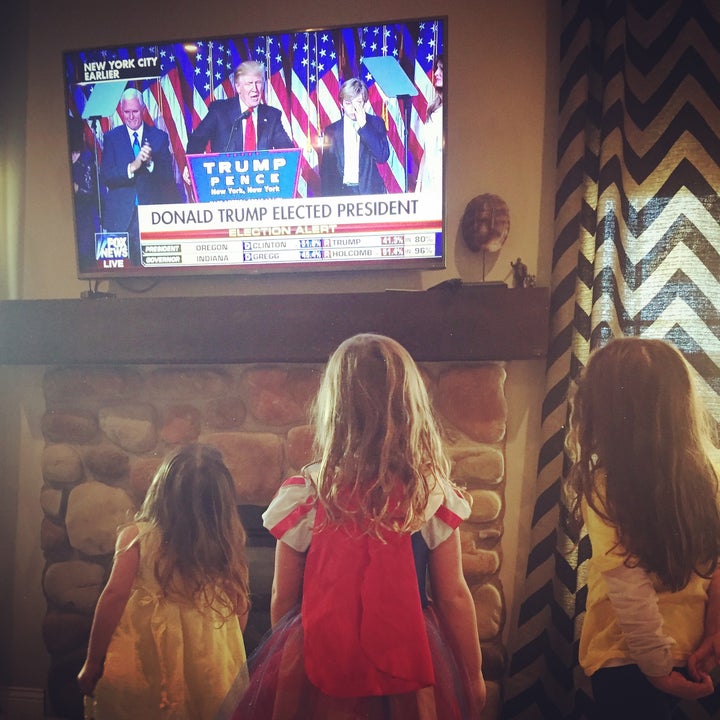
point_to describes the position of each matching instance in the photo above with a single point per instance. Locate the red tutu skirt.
(279, 688)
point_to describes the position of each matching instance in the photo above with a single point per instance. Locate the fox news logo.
(111, 246)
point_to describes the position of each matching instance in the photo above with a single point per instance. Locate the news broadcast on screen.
(308, 150)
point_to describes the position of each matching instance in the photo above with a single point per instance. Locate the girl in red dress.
(371, 615)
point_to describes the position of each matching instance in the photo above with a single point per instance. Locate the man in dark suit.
(241, 123)
(137, 170)
(354, 145)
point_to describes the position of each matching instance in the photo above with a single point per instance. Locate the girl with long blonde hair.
(361, 535)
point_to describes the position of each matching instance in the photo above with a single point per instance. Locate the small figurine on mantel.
(521, 278)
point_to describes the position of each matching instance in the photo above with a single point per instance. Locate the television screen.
(278, 152)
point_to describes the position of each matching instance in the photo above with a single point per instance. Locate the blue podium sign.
(257, 175)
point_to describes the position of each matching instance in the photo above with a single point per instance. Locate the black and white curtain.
(637, 252)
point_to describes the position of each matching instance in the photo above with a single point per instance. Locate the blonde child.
(646, 491)
(166, 640)
(354, 633)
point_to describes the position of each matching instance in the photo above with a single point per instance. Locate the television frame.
(361, 239)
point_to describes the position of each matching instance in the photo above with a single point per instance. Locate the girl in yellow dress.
(646, 492)
(166, 640)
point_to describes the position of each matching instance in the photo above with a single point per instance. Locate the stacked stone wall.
(107, 429)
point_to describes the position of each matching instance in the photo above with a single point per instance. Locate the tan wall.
(501, 102)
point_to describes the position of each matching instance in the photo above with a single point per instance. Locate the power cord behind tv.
(134, 287)
(94, 294)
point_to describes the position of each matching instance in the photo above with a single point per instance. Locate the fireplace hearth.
(126, 380)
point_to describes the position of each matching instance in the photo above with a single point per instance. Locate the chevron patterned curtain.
(637, 252)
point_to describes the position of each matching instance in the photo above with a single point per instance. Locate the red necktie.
(249, 143)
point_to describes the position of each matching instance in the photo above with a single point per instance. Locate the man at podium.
(354, 145)
(242, 123)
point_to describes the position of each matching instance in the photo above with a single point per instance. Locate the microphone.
(239, 119)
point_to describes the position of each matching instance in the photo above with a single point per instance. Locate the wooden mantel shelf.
(465, 322)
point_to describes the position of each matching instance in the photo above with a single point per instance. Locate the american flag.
(327, 86)
(224, 56)
(176, 105)
(271, 50)
(428, 47)
(324, 86)
(306, 123)
(382, 41)
(304, 73)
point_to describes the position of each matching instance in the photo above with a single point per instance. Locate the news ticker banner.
(265, 174)
(307, 230)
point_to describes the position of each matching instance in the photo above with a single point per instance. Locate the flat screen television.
(317, 184)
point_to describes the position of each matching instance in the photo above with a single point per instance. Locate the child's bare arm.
(707, 656)
(243, 604)
(456, 609)
(712, 612)
(287, 580)
(110, 608)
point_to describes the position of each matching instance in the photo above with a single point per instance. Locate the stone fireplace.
(111, 414)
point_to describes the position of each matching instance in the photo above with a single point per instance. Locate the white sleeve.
(635, 603)
(291, 514)
(453, 510)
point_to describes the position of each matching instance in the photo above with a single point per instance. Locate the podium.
(255, 175)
